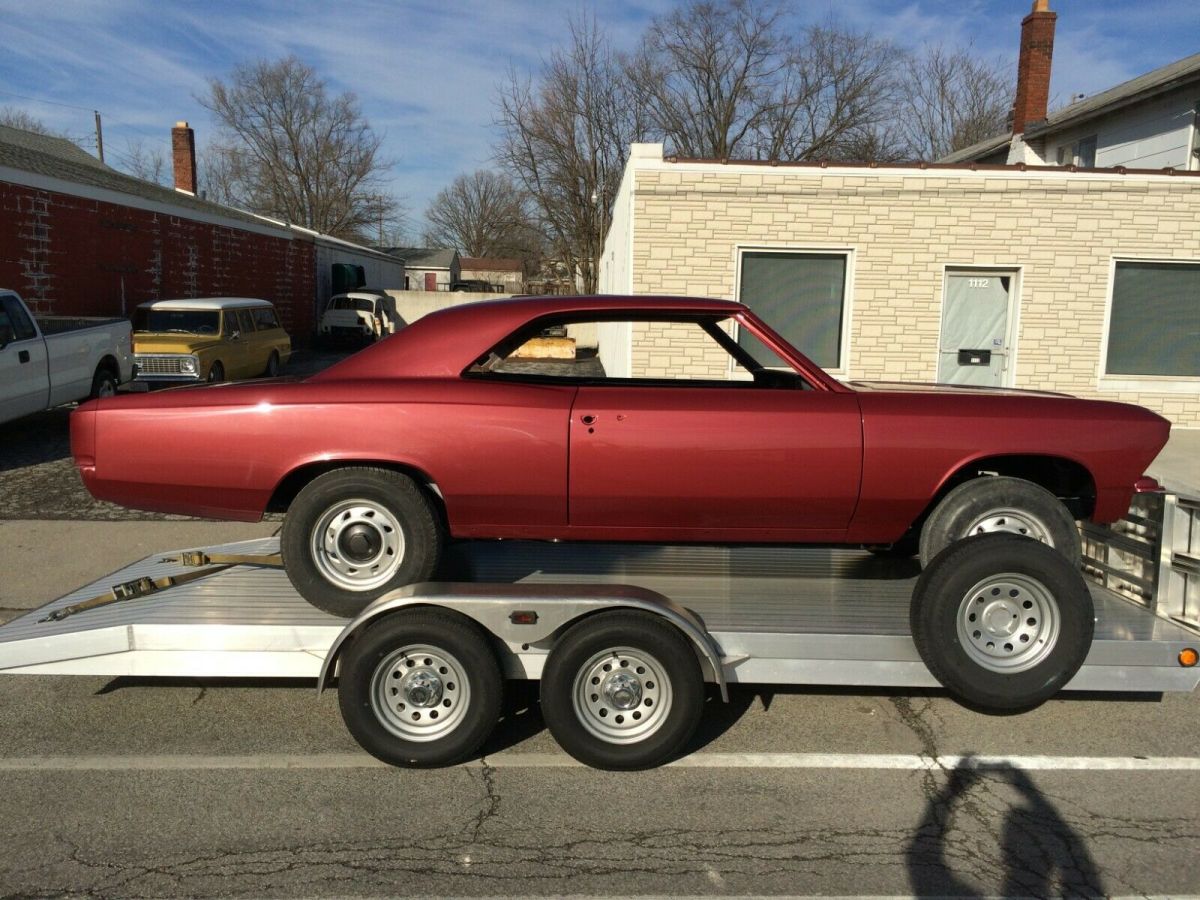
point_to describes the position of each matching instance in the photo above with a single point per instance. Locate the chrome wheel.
(622, 695)
(1011, 521)
(357, 545)
(1008, 623)
(420, 693)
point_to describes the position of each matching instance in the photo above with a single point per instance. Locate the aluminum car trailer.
(746, 615)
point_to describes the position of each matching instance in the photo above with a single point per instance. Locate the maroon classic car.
(606, 419)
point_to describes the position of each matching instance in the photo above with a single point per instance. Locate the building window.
(801, 295)
(1154, 323)
(1082, 153)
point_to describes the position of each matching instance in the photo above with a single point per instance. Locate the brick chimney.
(183, 157)
(1033, 67)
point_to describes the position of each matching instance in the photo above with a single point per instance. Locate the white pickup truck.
(54, 360)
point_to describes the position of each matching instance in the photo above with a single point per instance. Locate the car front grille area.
(161, 365)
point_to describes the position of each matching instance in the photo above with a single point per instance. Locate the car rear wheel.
(104, 383)
(1005, 505)
(1002, 622)
(352, 535)
(272, 369)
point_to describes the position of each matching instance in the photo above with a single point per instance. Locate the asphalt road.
(214, 788)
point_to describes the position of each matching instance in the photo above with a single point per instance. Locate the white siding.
(1153, 135)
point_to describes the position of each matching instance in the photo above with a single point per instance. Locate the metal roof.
(425, 257)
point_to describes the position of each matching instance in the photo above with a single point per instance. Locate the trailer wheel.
(1002, 622)
(999, 504)
(622, 690)
(354, 534)
(420, 688)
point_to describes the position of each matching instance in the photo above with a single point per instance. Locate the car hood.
(908, 387)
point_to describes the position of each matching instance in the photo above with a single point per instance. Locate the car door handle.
(587, 420)
(23, 356)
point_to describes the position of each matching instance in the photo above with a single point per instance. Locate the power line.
(50, 102)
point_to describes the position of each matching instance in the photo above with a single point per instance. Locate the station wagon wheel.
(272, 369)
(622, 690)
(1000, 505)
(1002, 622)
(216, 373)
(420, 688)
(353, 534)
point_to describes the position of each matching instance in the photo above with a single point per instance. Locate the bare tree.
(708, 72)
(952, 100)
(293, 151)
(483, 214)
(565, 141)
(146, 163)
(15, 117)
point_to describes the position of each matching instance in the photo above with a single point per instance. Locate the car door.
(254, 347)
(679, 461)
(24, 378)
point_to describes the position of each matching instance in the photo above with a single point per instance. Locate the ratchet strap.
(206, 564)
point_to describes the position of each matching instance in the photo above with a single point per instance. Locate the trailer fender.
(523, 614)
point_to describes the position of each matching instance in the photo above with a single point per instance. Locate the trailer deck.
(779, 615)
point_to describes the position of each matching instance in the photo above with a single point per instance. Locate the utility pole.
(99, 137)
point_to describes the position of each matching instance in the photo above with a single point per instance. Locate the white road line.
(509, 760)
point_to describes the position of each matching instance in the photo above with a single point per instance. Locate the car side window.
(18, 319)
(264, 318)
(245, 321)
(696, 351)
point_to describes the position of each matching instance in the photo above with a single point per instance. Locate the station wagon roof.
(208, 303)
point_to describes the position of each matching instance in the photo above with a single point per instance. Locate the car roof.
(445, 342)
(206, 303)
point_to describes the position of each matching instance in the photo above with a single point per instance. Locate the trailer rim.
(420, 692)
(1008, 622)
(622, 695)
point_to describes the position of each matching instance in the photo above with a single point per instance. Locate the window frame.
(1119, 381)
(850, 252)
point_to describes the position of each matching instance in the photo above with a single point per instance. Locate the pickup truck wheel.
(622, 690)
(216, 373)
(1001, 622)
(420, 688)
(354, 534)
(272, 369)
(1002, 505)
(104, 383)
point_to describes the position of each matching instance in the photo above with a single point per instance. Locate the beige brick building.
(1082, 282)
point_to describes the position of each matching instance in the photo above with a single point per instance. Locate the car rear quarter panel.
(913, 443)
(497, 452)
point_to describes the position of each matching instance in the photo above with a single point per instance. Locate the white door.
(974, 347)
(24, 382)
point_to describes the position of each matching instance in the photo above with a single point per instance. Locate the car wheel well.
(1066, 479)
(294, 482)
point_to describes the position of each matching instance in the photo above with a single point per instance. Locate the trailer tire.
(379, 514)
(1001, 621)
(420, 688)
(622, 690)
(1000, 505)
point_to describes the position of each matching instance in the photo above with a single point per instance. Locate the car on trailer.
(671, 420)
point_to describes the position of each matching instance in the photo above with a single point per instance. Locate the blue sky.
(426, 72)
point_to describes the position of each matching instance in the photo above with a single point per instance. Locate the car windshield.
(353, 303)
(184, 321)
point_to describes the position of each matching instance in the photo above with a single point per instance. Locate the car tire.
(353, 534)
(1005, 505)
(420, 688)
(216, 373)
(1001, 621)
(622, 690)
(272, 370)
(104, 383)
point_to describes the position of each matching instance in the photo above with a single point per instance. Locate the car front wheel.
(1000, 504)
(353, 534)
